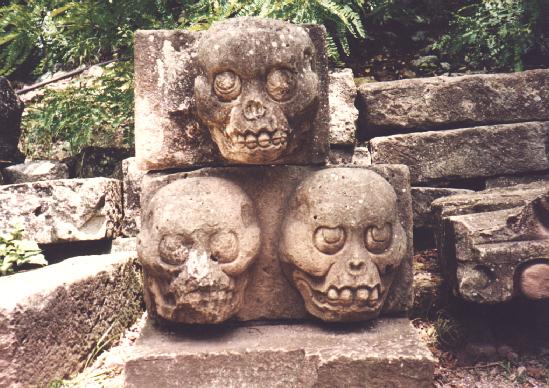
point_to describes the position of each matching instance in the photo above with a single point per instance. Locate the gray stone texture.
(124, 244)
(343, 112)
(11, 109)
(37, 170)
(52, 318)
(467, 153)
(387, 353)
(454, 102)
(511, 180)
(131, 180)
(63, 210)
(169, 132)
(488, 240)
(269, 294)
(422, 197)
(361, 156)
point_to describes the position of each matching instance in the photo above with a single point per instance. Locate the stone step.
(386, 353)
(52, 318)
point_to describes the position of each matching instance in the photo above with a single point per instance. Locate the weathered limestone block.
(343, 112)
(11, 109)
(131, 180)
(443, 102)
(506, 181)
(497, 247)
(39, 170)
(361, 156)
(467, 153)
(63, 210)
(52, 318)
(388, 353)
(423, 197)
(220, 203)
(124, 244)
(247, 91)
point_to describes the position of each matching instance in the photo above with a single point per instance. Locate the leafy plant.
(16, 251)
(96, 112)
(494, 33)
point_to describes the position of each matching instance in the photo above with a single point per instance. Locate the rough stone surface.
(124, 244)
(362, 156)
(467, 153)
(506, 181)
(454, 102)
(94, 162)
(63, 210)
(388, 353)
(131, 180)
(269, 294)
(173, 113)
(343, 112)
(52, 318)
(486, 245)
(39, 170)
(11, 109)
(422, 197)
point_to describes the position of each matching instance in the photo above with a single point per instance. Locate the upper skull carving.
(342, 242)
(199, 237)
(258, 91)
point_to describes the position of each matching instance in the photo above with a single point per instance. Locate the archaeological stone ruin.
(269, 219)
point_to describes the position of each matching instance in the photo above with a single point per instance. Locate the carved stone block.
(497, 247)
(336, 242)
(246, 91)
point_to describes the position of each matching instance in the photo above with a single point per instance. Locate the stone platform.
(385, 353)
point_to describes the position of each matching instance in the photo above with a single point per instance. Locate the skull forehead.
(251, 46)
(203, 203)
(350, 196)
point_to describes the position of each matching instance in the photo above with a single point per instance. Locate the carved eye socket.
(174, 249)
(224, 247)
(281, 84)
(377, 240)
(329, 240)
(227, 85)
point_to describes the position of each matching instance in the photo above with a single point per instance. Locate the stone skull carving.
(342, 243)
(199, 237)
(258, 91)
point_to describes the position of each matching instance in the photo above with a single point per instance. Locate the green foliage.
(494, 33)
(96, 112)
(16, 251)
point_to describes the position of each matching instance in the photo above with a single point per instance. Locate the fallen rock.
(486, 244)
(454, 102)
(11, 109)
(361, 156)
(131, 179)
(53, 318)
(37, 170)
(422, 197)
(63, 210)
(467, 153)
(506, 181)
(387, 353)
(343, 112)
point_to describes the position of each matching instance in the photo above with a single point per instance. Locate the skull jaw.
(318, 303)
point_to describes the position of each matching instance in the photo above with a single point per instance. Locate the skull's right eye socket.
(227, 85)
(174, 249)
(329, 240)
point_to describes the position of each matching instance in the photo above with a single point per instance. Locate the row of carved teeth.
(263, 139)
(347, 295)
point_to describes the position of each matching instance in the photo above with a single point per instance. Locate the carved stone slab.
(496, 249)
(247, 91)
(388, 353)
(342, 236)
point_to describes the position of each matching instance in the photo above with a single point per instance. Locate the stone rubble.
(36, 170)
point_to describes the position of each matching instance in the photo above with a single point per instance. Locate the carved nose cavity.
(356, 266)
(254, 110)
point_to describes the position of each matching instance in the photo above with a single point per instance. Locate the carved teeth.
(347, 295)
(362, 294)
(277, 137)
(332, 294)
(374, 295)
(251, 141)
(264, 139)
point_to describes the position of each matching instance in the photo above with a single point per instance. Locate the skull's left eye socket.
(174, 249)
(224, 247)
(378, 240)
(329, 240)
(227, 85)
(281, 84)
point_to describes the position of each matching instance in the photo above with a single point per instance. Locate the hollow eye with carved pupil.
(227, 85)
(329, 240)
(377, 240)
(174, 249)
(224, 247)
(281, 84)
